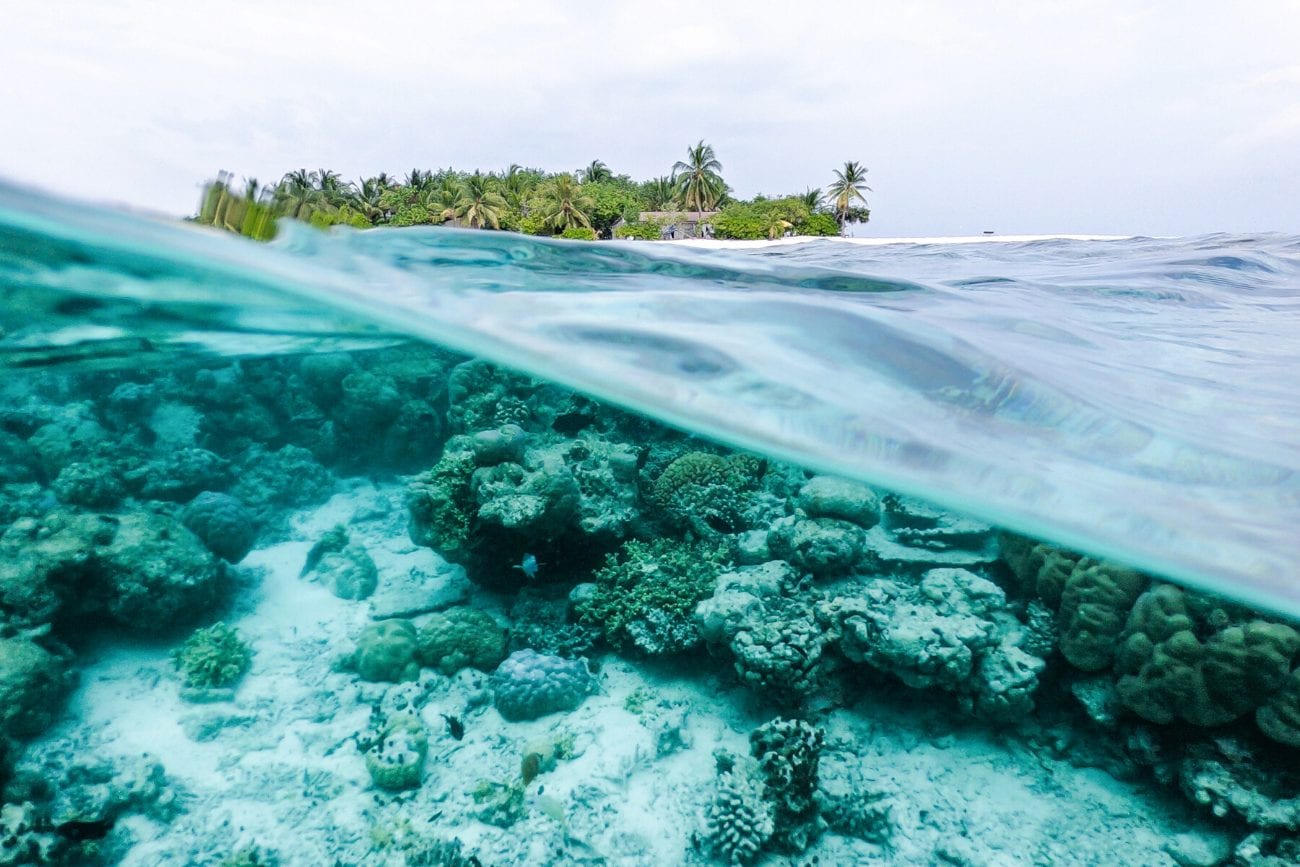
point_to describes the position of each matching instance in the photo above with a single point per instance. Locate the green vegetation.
(591, 203)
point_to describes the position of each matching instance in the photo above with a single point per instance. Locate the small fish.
(529, 566)
(455, 727)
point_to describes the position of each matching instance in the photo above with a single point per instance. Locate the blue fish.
(529, 566)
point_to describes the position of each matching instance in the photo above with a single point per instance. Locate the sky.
(1089, 116)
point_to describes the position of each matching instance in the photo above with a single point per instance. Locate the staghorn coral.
(33, 683)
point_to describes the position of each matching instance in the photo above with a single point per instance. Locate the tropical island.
(691, 201)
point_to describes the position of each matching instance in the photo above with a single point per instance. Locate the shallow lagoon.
(390, 604)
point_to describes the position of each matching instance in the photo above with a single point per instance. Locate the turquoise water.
(1133, 398)
(436, 547)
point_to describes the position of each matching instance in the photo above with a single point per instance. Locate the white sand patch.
(716, 244)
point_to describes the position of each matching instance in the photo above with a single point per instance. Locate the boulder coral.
(33, 682)
(1170, 669)
(529, 685)
(395, 757)
(386, 652)
(1095, 601)
(222, 523)
(459, 638)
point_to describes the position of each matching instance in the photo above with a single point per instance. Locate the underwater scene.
(429, 547)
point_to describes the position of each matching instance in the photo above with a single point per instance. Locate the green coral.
(706, 493)
(459, 638)
(1095, 602)
(645, 595)
(1170, 672)
(395, 757)
(214, 657)
(441, 502)
(386, 652)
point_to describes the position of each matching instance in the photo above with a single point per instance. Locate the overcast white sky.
(1062, 116)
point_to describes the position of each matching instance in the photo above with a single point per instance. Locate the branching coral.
(645, 596)
(214, 657)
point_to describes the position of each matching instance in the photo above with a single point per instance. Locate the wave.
(1131, 397)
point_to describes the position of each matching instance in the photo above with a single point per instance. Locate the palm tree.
(660, 193)
(597, 171)
(847, 188)
(442, 200)
(418, 180)
(699, 185)
(479, 205)
(518, 184)
(812, 198)
(564, 205)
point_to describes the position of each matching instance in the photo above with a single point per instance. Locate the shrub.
(579, 233)
(646, 230)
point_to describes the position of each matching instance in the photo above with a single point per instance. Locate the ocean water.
(540, 552)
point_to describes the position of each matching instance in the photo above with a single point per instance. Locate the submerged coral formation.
(568, 581)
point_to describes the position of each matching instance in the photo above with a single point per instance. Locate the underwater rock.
(851, 803)
(33, 684)
(155, 574)
(26, 838)
(386, 652)
(222, 523)
(73, 434)
(550, 626)
(395, 758)
(529, 685)
(181, 475)
(416, 591)
(142, 570)
(1261, 796)
(918, 524)
(289, 476)
(18, 460)
(461, 638)
(94, 484)
(823, 546)
(938, 632)
(833, 497)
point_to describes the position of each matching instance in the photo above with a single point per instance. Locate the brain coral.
(528, 685)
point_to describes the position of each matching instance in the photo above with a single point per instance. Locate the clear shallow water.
(1132, 398)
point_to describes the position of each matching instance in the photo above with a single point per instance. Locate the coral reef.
(740, 820)
(33, 683)
(528, 685)
(213, 658)
(645, 596)
(386, 652)
(222, 523)
(396, 753)
(461, 637)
